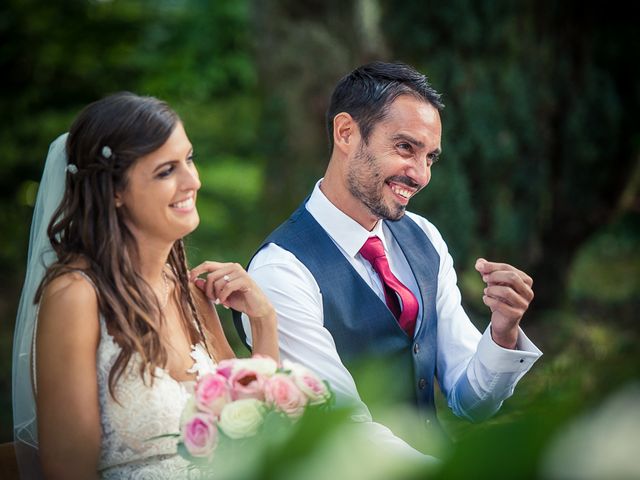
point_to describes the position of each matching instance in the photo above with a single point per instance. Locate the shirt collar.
(345, 231)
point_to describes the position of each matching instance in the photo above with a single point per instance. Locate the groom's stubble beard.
(366, 184)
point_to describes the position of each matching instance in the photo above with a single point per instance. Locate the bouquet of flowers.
(233, 402)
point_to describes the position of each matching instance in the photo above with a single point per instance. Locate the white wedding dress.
(141, 412)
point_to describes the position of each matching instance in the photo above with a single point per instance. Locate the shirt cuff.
(503, 360)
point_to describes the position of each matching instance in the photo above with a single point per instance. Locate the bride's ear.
(118, 199)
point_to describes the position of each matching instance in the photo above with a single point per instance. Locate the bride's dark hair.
(105, 140)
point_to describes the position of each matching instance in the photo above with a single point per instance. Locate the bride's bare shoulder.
(69, 298)
(70, 284)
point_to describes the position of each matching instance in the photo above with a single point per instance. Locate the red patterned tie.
(373, 251)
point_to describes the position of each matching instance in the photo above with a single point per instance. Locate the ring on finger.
(226, 278)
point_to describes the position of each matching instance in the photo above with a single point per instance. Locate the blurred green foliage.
(541, 165)
(539, 110)
(617, 249)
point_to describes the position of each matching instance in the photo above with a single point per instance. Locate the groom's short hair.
(367, 92)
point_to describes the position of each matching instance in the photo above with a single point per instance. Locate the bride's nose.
(191, 179)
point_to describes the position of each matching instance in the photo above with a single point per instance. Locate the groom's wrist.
(508, 340)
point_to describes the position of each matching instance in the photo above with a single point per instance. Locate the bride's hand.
(230, 285)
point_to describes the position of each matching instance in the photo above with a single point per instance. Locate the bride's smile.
(110, 327)
(159, 199)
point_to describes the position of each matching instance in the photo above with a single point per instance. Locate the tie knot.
(372, 249)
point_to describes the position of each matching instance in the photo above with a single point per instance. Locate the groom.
(353, 275)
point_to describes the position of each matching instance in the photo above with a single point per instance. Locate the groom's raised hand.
(508, 294)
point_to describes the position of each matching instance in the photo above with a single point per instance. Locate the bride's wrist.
(264, 318)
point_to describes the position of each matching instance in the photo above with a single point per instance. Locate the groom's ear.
(346, 134)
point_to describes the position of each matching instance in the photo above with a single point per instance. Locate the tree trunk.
(304, 49)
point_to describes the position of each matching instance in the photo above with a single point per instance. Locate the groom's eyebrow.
(407, 138)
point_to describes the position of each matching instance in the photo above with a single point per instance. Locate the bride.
(111, 329)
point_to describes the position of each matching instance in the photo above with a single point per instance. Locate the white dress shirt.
(492, 371)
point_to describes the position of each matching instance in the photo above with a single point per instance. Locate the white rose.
(189, 410)
(291, 366)
(242, 418)
(263, 365)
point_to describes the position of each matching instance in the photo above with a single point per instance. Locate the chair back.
(8, 462)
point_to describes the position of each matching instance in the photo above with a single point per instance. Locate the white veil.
(41, 255)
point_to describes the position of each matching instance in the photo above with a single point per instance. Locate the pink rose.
(200, 435)
(282, 393)
(309, 383)
(262, 364)
(246, 383)
(212, 393)
(225, 367)
(314, 388)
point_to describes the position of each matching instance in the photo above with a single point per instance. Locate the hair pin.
(106, 151)
(71, 168)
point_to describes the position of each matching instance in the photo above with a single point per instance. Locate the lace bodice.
(141, 412)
